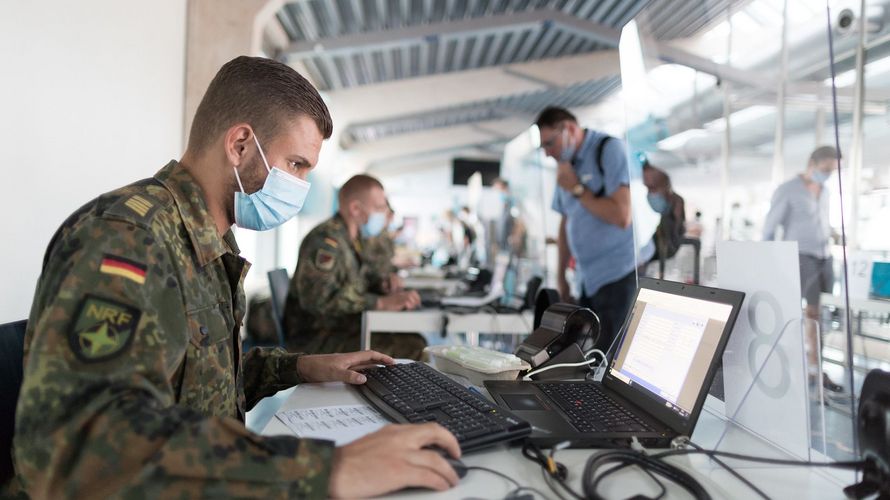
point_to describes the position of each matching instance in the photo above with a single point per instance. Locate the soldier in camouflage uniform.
(378, 252)
(134, 380)
(333, 284)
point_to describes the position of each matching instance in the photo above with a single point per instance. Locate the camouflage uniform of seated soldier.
(378, 252)
(333, 284)
(134, 382)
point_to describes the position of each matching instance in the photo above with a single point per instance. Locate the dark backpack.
(669, 234)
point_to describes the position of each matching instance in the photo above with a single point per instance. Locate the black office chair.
(279, 282)
(12, 345)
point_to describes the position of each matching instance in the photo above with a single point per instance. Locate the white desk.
(776, 481)
(446, 285)
(431, 320)
(421, 320)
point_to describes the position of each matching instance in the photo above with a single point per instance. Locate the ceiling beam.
(434, 158)
(513, 22)
(447, 138)
(387, 100)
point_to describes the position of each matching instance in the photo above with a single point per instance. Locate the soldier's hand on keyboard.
(394, 458)
(408, 299)
(339, 367)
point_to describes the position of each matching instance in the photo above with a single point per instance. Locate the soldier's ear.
(237, 142)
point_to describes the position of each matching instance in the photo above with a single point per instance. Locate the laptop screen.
(669, 346)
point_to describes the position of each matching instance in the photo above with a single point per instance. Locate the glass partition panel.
(731, 117)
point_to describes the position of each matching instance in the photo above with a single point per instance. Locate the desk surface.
(776, 481)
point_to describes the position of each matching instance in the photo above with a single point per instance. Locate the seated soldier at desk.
(134, 385)
(378, 252)
(333, 284)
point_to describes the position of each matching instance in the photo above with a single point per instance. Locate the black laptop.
(656, 383)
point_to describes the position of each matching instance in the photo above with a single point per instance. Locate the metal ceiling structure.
(349, 45)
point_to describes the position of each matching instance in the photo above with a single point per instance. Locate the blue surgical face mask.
(820, 176)
(568, 148)
(376, 223)
(658, 202)
(280, 199)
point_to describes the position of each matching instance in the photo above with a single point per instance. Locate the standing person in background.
(593, 197)
(671, 229)
(503, 225)
(333, 284)
(800, 208)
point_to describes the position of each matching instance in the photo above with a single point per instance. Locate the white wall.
(91, 98)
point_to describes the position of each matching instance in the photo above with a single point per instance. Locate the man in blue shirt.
(593, 196)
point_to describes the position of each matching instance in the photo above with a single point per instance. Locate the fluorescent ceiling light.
(677, 141)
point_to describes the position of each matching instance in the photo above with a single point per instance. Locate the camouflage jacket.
(378, 252)
(330, 289)
(134, 383)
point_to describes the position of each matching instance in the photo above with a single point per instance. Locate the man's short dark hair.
(261, 92)
(501, 181)
(823, 153)
(356, 187)
(553, 116)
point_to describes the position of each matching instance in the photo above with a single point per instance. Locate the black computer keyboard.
(415, 393)
(592, 410)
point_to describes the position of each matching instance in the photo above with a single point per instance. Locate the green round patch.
(103, 329)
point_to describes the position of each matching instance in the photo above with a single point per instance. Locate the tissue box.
(475, 363)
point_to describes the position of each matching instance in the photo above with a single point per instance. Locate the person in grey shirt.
(800, 208)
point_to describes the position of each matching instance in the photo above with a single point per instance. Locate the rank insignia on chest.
(103, 329)
(324, 260)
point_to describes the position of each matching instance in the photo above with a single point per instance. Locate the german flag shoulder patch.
(324, 260)
(125, 268)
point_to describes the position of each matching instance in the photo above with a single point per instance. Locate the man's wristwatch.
(578, 190)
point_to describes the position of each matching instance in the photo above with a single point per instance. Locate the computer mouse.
(459, 467)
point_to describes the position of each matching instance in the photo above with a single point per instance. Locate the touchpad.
(524, 402)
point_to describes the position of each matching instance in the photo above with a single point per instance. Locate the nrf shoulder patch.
(324, 260)
(103, 329)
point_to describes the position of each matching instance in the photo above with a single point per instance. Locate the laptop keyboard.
(416, 393)
(592, 410)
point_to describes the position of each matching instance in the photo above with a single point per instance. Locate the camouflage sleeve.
(97, 415)
(326, 285)
(268, 370)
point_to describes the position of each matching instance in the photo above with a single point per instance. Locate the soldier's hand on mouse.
(394, 458)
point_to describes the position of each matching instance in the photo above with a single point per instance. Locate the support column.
(216, 32)
(778, 174)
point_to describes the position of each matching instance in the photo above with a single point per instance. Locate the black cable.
(624, 458)
(516, 490)
(548, 480)
(496, 473)
(858, 464)
(550, 468)
(732, 471)
(713, 454)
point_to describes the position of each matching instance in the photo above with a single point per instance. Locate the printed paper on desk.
(341, 424)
